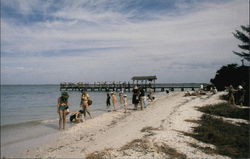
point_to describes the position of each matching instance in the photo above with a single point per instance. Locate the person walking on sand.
(241, 95)
(108, 101)
(135, 98)
(84, 103)
(150, 95)
(231, 99)
(125, 102)
(114, 100)
(62, 106)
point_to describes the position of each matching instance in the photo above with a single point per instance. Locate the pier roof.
(149, 78)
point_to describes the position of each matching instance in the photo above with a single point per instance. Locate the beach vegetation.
(168, 151)
(226, 110)
(149, 130)
(206, 149)
(229, 139)
(100, 154)
(234, 75)
(146, 146)
(140, 145)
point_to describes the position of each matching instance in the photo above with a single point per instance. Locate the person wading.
(62, 106)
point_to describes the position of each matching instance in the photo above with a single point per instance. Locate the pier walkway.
(127, 87)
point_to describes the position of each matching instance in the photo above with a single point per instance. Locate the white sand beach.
(112, 130)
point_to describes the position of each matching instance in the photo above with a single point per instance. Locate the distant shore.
(160, 123)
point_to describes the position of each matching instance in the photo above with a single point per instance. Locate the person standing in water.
(84, 104)
(62, 106)
(108, 101)
(121, 96)
(114, 100)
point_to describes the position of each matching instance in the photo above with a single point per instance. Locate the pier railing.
(128, 87)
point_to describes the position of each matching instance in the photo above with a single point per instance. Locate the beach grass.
(100, 154)
(206, 149)
(229, 139)
(170, 152)
(143, 145)
(224, 97)
(149, 128)
(226, 110)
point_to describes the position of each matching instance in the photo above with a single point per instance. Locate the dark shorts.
(63, 107)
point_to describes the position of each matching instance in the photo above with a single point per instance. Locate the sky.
(53, 41)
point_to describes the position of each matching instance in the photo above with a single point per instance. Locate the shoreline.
(115, 129)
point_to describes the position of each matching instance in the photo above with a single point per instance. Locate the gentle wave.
(28, 123)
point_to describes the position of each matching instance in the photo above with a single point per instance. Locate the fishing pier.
(145, 82)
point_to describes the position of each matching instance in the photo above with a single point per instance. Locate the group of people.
(138, 98)
(201, 91)
(63, 109)
(236, 96)
(112, 97)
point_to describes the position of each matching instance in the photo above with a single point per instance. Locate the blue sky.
(51, 41)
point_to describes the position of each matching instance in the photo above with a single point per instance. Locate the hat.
(124, 95)
(65, 95)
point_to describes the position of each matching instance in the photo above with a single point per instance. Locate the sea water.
(29, 112)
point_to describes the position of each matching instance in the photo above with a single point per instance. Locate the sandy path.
(113, 130)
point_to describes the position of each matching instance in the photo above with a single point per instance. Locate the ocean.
(29, 112)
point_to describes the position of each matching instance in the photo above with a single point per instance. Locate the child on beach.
(62, 106)
(125, 102)
(76, 117)
(113, 100)
(84, 103)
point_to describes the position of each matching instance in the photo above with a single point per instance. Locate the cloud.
(111, 40)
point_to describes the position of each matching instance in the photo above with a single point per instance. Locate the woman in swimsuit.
(84, 104)
(62, 106)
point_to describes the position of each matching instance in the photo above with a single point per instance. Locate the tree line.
(233, 74)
